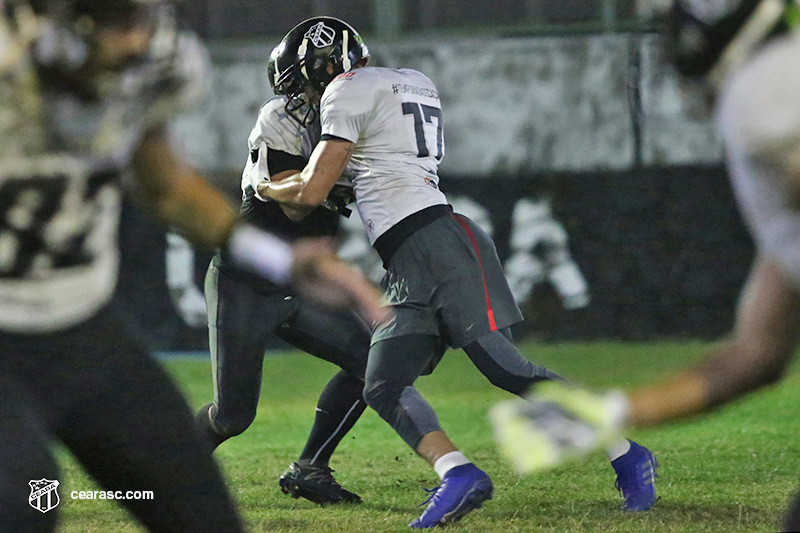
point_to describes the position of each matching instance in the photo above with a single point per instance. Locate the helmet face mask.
(310, 56)
(299, 107)
(286, 80)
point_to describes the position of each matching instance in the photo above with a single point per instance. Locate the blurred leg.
(122, 417)
(136, 433)
(25, 453)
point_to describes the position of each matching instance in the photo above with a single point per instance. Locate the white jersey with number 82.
(394, 117)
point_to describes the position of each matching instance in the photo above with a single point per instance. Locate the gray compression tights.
(394, 365)
(500, 361)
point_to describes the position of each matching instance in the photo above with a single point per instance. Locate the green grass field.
(733, 470)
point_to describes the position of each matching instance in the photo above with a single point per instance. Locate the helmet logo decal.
(320, 35)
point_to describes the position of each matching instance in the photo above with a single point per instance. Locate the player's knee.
(358, 367)
(231, 425)
(382, 396)
(515, 384)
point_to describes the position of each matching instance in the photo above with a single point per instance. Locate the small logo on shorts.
(371, 226)
(44, 496)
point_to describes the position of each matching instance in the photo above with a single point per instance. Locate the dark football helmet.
(310, 56)
(713, 37)
(68, 25)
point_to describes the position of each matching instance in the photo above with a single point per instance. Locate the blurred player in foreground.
(245, 310)
(382, 129)
(758, 116)
(86, 89)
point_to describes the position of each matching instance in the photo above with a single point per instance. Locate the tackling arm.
(310, 187)
(180, 197)
(756, 354)
(291, 211)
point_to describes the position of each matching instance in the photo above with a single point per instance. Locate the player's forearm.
(677, 398)
(310, 187)
(178, 196)
(756, 354)
(203, 216)
(293, 191)
(730, 370)
(692, 391)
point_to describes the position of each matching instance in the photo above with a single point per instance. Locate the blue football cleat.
(463, 489)
(636, 472)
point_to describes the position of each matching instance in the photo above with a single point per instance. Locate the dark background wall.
(663, 250)
(249, 18)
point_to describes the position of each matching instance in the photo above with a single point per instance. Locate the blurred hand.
(318, 274)
(557, 422)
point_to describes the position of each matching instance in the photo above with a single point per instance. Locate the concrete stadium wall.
(511, 105)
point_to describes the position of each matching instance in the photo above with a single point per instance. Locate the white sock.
(618, 449)
(449, 460)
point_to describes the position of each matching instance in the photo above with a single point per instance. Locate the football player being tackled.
(246, 310)
(382, 131)
(86, 90)
(754, 65)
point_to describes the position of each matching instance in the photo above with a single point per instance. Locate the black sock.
(339, 407)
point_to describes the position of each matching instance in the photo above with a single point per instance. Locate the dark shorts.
(446, 280)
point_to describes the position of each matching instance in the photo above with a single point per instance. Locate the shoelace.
(322, 474)
(433, 492)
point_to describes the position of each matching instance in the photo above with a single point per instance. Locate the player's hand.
(556, 423)
(339, 198)
(320, 275)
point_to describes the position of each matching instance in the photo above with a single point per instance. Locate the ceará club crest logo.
(320, 35)
(44, 496)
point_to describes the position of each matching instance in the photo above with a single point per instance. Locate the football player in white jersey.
(86, 89)
(749, 51)
(382, 130)
(246, 310)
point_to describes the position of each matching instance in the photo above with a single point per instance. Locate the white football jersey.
(61, 160)
(759, 117)
(276, 130)
(394, 117)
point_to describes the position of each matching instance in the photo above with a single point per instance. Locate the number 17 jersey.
(394, 118)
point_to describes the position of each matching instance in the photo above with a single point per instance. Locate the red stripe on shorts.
(489, 312)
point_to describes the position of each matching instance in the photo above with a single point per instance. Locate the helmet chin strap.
(345, 54)
(301, 53)
(760, 23)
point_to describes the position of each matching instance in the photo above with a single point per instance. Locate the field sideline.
(734, 470)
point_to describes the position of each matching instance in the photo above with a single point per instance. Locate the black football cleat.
(315, 483)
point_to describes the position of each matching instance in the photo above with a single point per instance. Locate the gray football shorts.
(446, 280)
